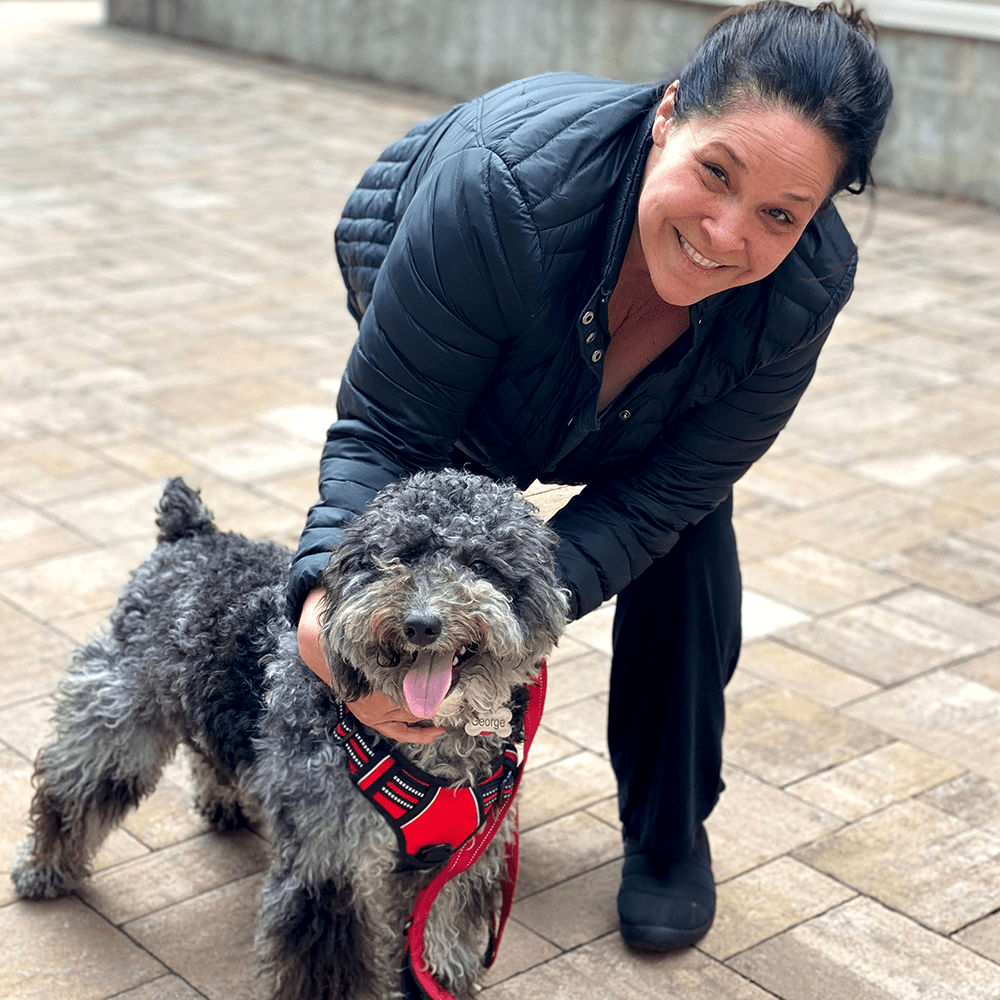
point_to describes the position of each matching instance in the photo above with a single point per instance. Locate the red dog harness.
(434, 824)
(430, 820)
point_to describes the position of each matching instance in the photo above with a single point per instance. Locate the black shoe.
(666, 903)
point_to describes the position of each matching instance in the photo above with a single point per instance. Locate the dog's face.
(444, 596)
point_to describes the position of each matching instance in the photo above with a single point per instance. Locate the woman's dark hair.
(820, 64)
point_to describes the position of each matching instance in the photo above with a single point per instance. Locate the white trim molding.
(937, 17)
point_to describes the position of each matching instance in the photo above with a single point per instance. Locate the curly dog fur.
(446, 576)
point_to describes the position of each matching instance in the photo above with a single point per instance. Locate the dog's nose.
(422, 628)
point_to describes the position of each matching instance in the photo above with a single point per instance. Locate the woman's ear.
(663, 123)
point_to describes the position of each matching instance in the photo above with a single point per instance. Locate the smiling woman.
(625, 286)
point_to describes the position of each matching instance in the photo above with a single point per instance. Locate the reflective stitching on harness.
(421, 810)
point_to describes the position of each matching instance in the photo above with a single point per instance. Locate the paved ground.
(169, 304)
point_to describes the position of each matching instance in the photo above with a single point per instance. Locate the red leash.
(466, 856)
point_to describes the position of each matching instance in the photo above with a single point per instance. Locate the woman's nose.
(726, 229)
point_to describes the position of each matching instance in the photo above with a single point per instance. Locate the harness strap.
(430, 820)
(469, 853)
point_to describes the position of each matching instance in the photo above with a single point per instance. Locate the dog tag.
(497, 723)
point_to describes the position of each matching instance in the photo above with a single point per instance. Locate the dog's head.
(443, 594)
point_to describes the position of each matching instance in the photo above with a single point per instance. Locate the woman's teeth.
(695, 256)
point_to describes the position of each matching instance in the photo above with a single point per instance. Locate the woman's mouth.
(696, 257)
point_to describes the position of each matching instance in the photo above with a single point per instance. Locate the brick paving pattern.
(169, 304)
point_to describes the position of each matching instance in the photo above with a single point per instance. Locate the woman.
(585, 281)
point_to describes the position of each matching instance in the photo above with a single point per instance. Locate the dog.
(442, 594)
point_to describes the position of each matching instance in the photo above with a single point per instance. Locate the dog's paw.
(34, 878)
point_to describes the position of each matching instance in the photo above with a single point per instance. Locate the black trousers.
(676, 642)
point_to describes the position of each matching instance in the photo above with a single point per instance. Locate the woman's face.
(725, 199)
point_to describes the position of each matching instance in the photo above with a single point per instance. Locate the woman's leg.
(676, 642)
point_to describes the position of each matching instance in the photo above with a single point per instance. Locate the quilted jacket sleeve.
(612, 530)
(459, 276)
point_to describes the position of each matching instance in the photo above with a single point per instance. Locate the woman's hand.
(377, 711)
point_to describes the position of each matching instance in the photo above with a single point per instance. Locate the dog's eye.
(480, 567)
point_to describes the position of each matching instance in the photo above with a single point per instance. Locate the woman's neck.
(641, 324)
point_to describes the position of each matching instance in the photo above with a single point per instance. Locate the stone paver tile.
(976, 485)
(934, 351)
(566, 847)
(546, 748)
(918, 860)
(27, 726)
(949, 563)
(72, 584)
(575, 911)
(875, 523)
(978, 627)
(874, 780)
(594, 630)
(982, 937)
(15, 794)
(221, 965)
(757, 541)
(816, 581)
(174, 874)
(799, 482)
(609, 970)
(985, 669)
(166, 816)
(32, 661)
(879, 643)
(792, 670)
(971, 798)
(944, 714)
(571, 649)
(987, 532)
(165, 988)
(46, 488)
(147, 457)
(61, 948)
(767, 901)
(564, 786)
(584, 722)
(114, 515)
(246, 452)
(912, 469)
(754, 823)
(26, 535)
(299, 490)
(607, 812)
(762, 615)
(861, 408)
(781, 737)
(549, 499)
(299, 421)
(521, 949)
(572, 680)
(864, 951)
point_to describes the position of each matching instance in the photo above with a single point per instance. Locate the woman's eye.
(717, 172)
(780, 215)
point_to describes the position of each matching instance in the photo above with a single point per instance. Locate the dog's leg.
(220, 798)
(457, 932)
(111, 745)
(309, 937)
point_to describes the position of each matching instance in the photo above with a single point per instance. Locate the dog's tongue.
(427, 682)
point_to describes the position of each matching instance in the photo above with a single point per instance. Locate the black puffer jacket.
(480, 252)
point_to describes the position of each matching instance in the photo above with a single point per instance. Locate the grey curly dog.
(443, 595)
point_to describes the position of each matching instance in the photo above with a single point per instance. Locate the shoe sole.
(653, 938)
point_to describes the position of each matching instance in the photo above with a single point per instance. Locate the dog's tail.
(181, 514)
